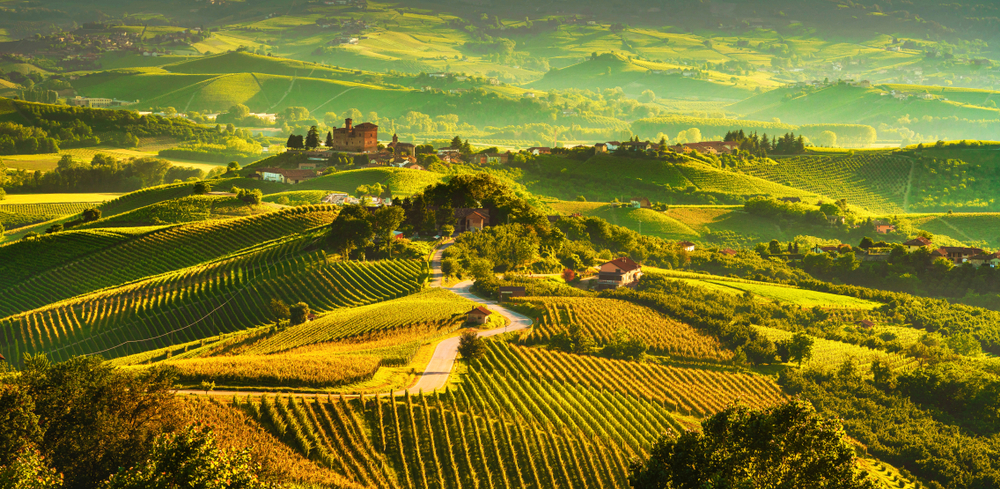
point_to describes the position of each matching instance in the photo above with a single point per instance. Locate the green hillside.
(613, 70)
(603, 178)
(845, 104)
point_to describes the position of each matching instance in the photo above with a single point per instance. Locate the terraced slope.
(160, 251)
(202, 301)
(875, 181)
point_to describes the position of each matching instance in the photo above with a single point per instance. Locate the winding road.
(435, 375)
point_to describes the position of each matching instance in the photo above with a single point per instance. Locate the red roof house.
(479, 315)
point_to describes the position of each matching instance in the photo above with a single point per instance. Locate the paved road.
(435, 376)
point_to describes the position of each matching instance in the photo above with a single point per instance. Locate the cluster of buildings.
(98, 103)
(956, 254)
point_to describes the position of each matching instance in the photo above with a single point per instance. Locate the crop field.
(58, 198)
(17, 215)
(183, 210)
(967, 227)
(716, 180)
(369, 322)
(800, 297)
(401, 182)
(203, 301)
(690, 391)
(875, 182)
(830, 354)
(603, 318)
(316, 369)
(161, 251)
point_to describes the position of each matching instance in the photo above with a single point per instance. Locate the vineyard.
(690, 391)
(157, 252)
(205, 300)
(876, 181)
(182, 210)
(603, 318)
(18, 215)
(715, 180)
(830, 354)
(367, 322)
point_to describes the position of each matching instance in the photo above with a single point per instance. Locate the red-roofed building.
(479, 315)
(620, 272)
(728, 251)
(916, 244)
(686, 246)
(960, 255)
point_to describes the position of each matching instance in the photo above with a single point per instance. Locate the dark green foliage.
(573, 340)
(93, 418)
(91, 214)
(190, 458)
(470, 346)
(201, 188)
(299, 313)
(788, 445)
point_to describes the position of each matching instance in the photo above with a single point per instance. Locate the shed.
(507, 292)
(479, 315)
(864, 323)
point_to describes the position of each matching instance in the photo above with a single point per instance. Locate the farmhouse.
(916, 244)
(478, 315)
(620, 272)
(540, 150)
(728, 251)
(362, 138)
(506, 293)
(710, 147)
(686, 246)
(989, 259)
(960, 255)
(640, 203)
(471, 219)
(883, 227)
(282, 175)
(864, 323)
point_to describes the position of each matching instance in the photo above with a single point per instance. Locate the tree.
(624, 346)
(568, 275)
(786, 446)
(150, 170)
(447, 230)
(470, 346)
(866, 243)
(251, 197)
(191, 458)
(827, 139)
(55, 228)
(279, 309)
(329, 139)
(800, 348)
(29, 470)
(92, 214)
(202, 188)
(312, 138)
(573, 340)
(456, 143)
(350, 230)
(95, 418)
(774, 247)
(385, 220)
(299, 313)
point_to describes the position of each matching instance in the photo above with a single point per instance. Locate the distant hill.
(611, 70)
(846, 104)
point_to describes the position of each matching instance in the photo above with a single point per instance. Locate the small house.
(864, 323)
(540, 150)
(601, 147)
(620, 272)
(640, 203)
(916, 244)
(882, 227)
(960, 255)
(479, 315)
(471, 219)
(686, 246)
(508, 292)
(728, 251)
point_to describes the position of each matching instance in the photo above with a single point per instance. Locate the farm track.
(435, 375)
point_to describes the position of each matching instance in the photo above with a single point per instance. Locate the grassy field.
(57, 198)
(649, 222)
